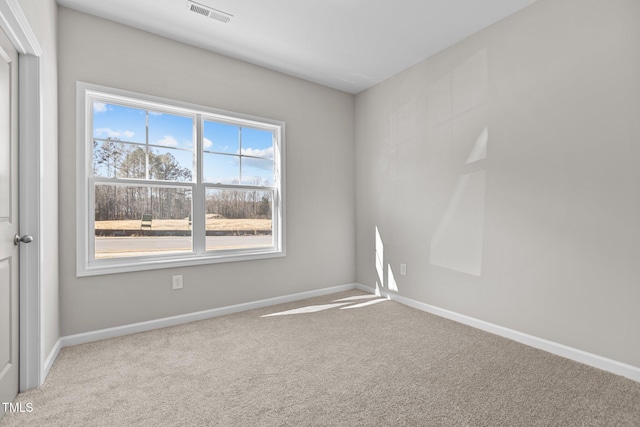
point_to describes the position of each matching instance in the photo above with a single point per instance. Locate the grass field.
(221, 224)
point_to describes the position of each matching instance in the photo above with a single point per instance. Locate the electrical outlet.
(177, 282)
(403, 269)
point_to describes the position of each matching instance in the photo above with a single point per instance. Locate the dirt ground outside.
(219, 224)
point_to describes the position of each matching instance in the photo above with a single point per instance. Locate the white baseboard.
(117, 331)
(610, 365)
(48, 363)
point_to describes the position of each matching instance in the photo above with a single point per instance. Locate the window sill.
(127, 265)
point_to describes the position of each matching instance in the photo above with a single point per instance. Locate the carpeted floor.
(346, 359)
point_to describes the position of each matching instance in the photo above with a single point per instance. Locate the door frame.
(15, 24)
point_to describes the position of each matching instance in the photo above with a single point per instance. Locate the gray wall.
(320, 175)
(504, 172)
(42, 19)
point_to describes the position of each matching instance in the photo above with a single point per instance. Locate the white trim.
(15, 24)
(117, 331)
(580, 356)
(112, 266)
(53, 354)
(610, 365)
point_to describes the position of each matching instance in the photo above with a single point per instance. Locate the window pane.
(257, 143)
(116, 122)
(108, 157)
(141, 221)
(112, 159)
(170, 130)
(170, 165)
(221, 137)
(221, 169)
(257, 171)
(238, 219)
(133, 163)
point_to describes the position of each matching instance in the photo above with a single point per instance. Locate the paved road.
(113, 245)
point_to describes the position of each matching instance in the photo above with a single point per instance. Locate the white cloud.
(267, 152)
(110, 133)
(207, 143)
(99, 107)
(168, 141)
(154, 113)
(263, 164)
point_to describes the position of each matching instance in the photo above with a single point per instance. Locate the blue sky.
(174, 134)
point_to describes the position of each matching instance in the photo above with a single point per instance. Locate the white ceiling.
(349, 45)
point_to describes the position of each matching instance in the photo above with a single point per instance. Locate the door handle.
(24, 239)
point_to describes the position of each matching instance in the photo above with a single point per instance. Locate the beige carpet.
(330, 361)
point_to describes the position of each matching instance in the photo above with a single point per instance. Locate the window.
(163, 183)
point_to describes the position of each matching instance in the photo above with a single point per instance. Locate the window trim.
(86, 266)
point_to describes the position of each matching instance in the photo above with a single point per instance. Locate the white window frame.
(87, 265)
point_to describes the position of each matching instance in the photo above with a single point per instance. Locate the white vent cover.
(203, 10)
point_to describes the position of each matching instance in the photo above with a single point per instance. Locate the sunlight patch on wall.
(479, 151)
(391, 279)
(459, 112)
(458, 239)
(470, 83)
(379, 257)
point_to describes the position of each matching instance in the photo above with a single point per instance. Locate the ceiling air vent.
(203, 10)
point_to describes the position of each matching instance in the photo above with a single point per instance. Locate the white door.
(9, 251)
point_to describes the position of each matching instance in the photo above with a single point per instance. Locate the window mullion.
(198, 227)
(146, 139)
(141, 182)
(240, 153)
